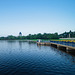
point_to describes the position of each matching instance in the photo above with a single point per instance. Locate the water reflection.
(11, 41)
(28, 58)
(30, 42)
(69, 56)
(20, 44)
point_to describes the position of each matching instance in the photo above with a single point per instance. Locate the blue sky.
(36, 16)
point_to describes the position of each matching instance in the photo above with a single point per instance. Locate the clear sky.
(36, 16)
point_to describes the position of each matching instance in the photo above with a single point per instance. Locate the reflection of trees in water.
(11, 41)
(20, 44)
(30, 42)
(69, 56)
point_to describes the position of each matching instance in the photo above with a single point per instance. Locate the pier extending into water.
(58, 46)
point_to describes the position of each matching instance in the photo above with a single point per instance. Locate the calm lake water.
(26, 58)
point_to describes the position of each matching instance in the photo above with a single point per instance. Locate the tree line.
(67, 34)
(40, 36)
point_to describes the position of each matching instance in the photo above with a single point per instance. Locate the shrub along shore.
(45, 36)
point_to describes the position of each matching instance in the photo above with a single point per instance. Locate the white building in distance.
(20, 34)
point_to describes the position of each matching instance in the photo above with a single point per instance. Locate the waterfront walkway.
(66, 46)
(72, 44)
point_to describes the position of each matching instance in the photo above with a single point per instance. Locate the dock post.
(67, 49)
(57, 46)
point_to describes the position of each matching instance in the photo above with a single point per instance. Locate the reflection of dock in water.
(59, 46)
(70, 56)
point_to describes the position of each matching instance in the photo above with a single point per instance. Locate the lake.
(27, 58)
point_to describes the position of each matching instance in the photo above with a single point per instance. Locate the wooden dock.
(58, 46)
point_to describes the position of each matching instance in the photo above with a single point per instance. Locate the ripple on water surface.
(26, 58)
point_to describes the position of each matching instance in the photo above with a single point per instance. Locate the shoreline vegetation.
(45, 36)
